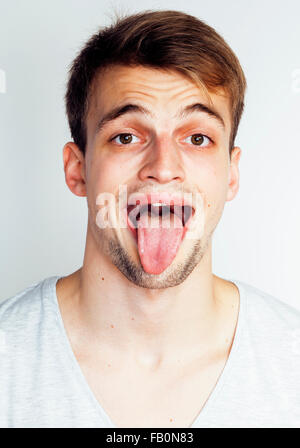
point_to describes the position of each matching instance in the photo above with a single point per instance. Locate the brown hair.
(158, 39)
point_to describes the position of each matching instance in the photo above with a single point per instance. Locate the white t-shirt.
(42, 385)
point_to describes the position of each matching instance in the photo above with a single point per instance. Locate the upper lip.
(162, 198)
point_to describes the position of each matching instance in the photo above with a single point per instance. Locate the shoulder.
(269, 321)
(26, 305)
(276, 309)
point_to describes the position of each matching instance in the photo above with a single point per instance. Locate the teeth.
(184, 212)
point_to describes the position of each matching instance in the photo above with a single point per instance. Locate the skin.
(151, 347)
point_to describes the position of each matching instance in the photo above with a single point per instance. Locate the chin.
(173, 275)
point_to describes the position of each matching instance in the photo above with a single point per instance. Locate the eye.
(125, 139)
(198, 140)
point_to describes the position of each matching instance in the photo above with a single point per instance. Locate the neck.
(151, 326)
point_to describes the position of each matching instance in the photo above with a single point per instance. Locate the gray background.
(42, 227)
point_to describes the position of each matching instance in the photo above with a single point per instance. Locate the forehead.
(162, 91)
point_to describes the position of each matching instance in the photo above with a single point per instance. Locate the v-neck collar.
(231, 360)
(222, 379)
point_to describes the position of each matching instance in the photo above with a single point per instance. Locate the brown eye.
(125, 139)
(198, 140)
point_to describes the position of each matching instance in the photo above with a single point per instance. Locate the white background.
(43, 226)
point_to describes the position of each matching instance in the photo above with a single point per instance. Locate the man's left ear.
(234, 174)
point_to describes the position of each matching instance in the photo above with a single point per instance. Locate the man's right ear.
(74, 166)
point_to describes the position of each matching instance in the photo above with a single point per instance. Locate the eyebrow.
(118, 112)
(199, 107)
(129, 108)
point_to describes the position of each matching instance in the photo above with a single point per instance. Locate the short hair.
(158, 39)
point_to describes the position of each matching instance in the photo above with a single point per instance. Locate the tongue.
(158, 246)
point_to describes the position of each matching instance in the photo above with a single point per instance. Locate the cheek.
(104, 176)
(211, 177)
(212, 174)
(103, 181)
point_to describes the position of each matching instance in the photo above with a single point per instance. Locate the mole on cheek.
(208, 205)
(102, 278)
(112, 326)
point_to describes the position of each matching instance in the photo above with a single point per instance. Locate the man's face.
(161, 142)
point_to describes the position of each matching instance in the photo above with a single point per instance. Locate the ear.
(234, 174)
(74, 166)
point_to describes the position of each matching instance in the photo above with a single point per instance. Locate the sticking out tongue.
(158, 246)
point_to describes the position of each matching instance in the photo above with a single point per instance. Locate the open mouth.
(183, 212)
(158, 222)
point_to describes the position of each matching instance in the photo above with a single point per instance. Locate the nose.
(163, 162)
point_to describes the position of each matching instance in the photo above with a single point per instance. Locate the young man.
(144, 335)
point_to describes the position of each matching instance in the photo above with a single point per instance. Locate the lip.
(168, 199)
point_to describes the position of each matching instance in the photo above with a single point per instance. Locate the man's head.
(154, 104)
(162, 39)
